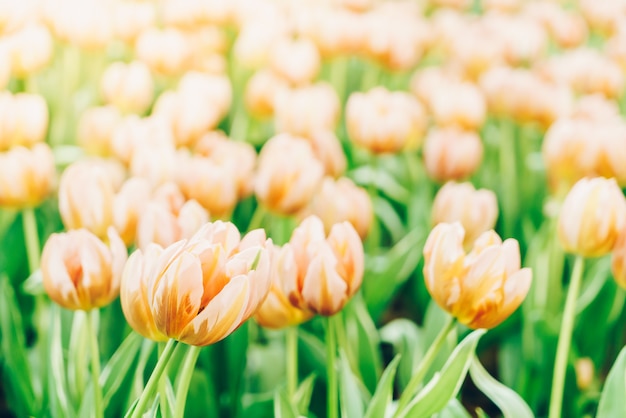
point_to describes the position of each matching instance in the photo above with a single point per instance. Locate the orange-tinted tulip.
(276, 311)
(592, 216)
(481, 289)
(80, 271)
(129, 87)
(618, 260)
(196, 291)
(95, 130)
(330, 268)
(26, 176)
(452, 154)
(476, 210)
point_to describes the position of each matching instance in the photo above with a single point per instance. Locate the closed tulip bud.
(459, 104)
(481, 289)
(154, 163)
(239, 156)
(261, 92)
(585, 371)
(133, 133)
(128, 205)
(26, 176)
(86, 192)
(383, 121)
(452, 154)
(288, 174)
(276, 311)
(95, 130)
(296, 60)
(130, 19)
(86, 24)
(341, 200)
(23, 119)
(197, 291)
(592, 216)
(128, 87)
(330, 268)
(80, 272)
(31, 50)
(166, 52)
(255, 40)
(327, 148)
(307, 110)
(212, 184)
(476, 210)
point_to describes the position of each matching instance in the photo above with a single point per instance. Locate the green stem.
(189, 365)
(291, 336)
(257, 218)
(332, 386)
(565, 339)
(508, 176)
(424, 365)
(162, 385)
(32, 238)
(95, 362)
(153, 381)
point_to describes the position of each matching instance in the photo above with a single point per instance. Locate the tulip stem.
(565, 339)
(331, 372)
(92, 318)
(508, 175)
(31, 237)
(257, 218)
(162, 386)
(153, 381)
(291, 336)
(424, 365)
(184, 379)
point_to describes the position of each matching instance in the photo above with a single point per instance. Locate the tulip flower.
(592, 216)
(330, 268)
(197, 291)
(81, 272)
(481, 289)
(26, 176)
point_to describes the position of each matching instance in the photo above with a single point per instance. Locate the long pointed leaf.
(384, 391)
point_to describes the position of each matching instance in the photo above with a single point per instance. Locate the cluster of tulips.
(264, 188)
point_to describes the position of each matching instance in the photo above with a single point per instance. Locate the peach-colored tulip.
(452, 154)
(458, 104)
(86, 192)
(341, 200)
(306, 110)
(81, 272)
(261, 92)
(327, 148)
(164, 51)
(95, 130)
(481, 289)
(276, 311)
(128, 205)
(476, 210)
(129, 87)
(592, 216)
(212, 184)
(618, 260)
(86, 24)
(31, 49)
(133, 133)
(296, 60)
(197, 291)
(255, 40)
(156, 163)
(5, 66)
(130, 19)
(330, 268)
(23, 119)
(288, 174)
(26, 176)
(383, 121)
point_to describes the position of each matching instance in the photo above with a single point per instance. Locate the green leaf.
(612, 399)
(352, 404)
(385, 212)
(384, 391)
(302, 397)
(56, 378)
(282, 407)
(405, 337)
(510, 403)
(454, 409)
(446, 384)
(14, 366)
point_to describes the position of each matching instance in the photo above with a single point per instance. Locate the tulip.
(31, 50)
(80, 272)
(458, 104)
(618, 260)
(130, 19)
(452, 154)
(23, 119)
(95, 130)
(26, 176)
(134, 132)
(481, 289)
(261, 92)
(288, 174)
(476, 210)
(197, 291)
(86, 192)
(164, 51)
(330, 268)
(296, 60)
(129, 87)
(128, 205)
(592, 216)
(327, 148)
(276, 311)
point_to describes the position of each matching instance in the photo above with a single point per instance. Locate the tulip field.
(313, 208)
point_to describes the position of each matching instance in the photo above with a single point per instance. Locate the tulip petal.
(324, 290)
